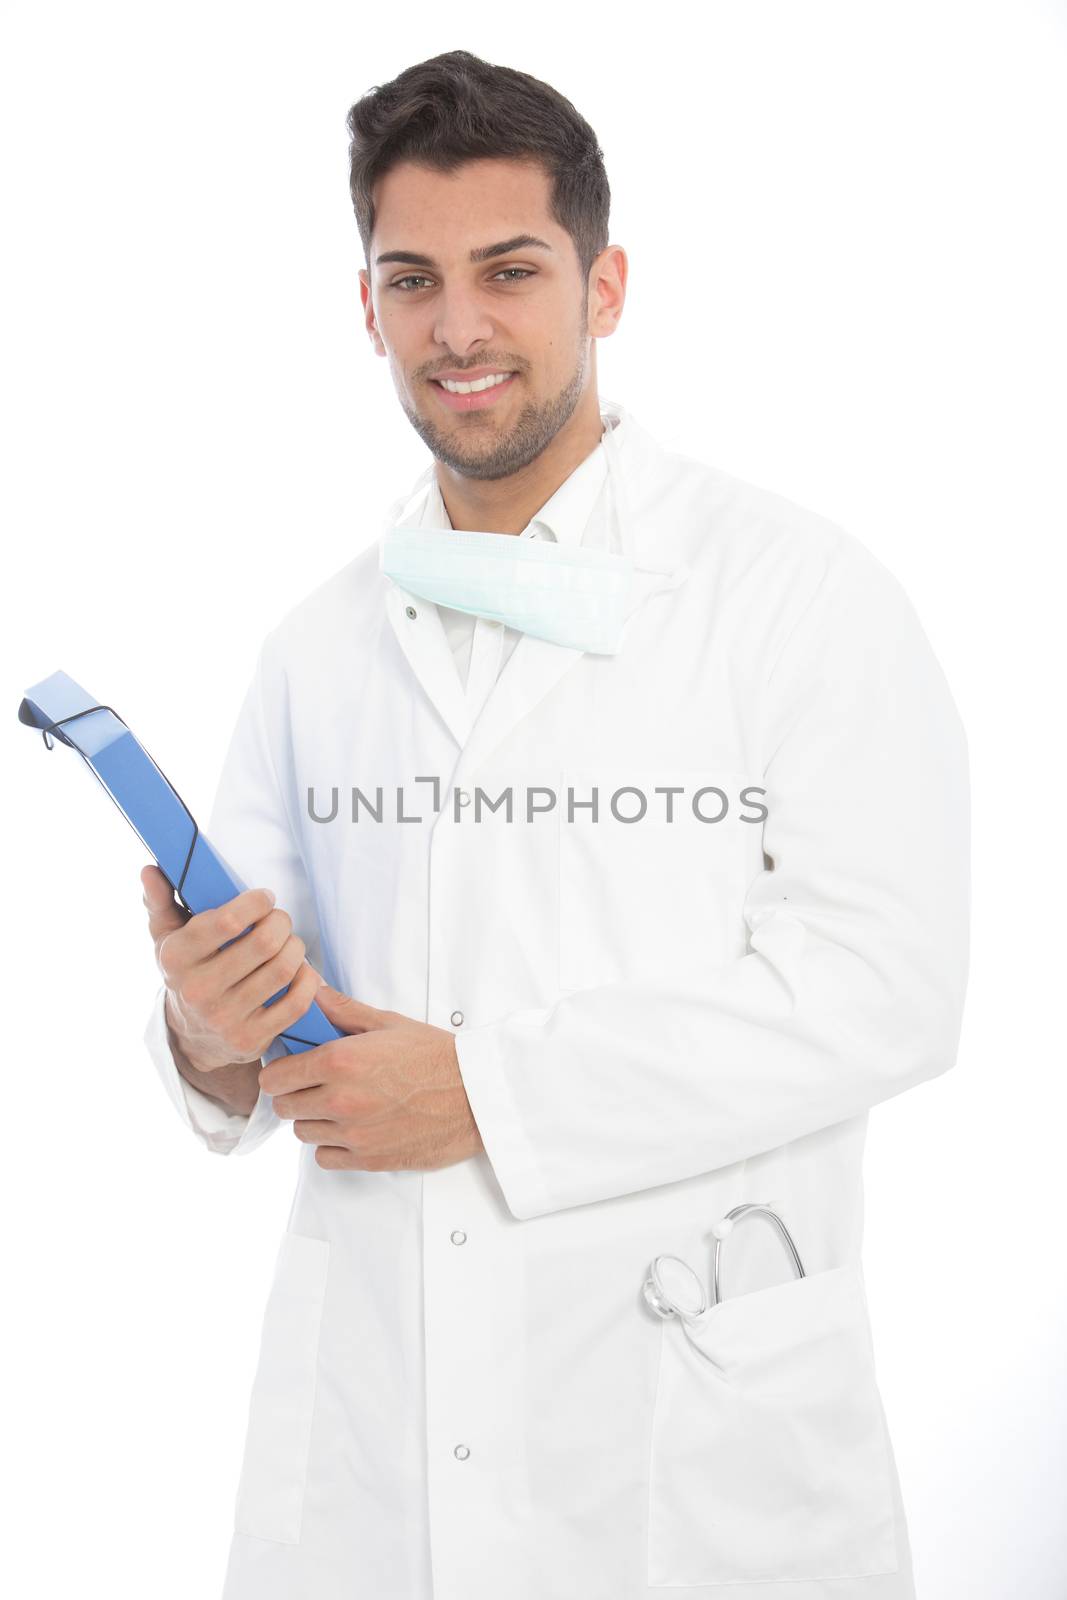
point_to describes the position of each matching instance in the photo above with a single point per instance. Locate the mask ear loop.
(671, 574)
(619, 493)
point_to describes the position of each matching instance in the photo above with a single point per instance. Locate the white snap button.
(461, 1452)
(456, 1019)
(459, 1237)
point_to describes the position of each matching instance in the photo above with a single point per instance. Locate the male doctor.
(622, 806)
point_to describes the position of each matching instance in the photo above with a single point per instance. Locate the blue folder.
(62, 710)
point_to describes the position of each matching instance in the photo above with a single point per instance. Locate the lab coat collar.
(536, 665)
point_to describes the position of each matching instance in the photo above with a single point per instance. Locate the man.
(623, 807)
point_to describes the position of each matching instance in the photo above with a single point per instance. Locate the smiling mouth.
(464, 399)
(475, 386)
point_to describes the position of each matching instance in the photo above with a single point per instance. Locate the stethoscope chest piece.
(673, 1289)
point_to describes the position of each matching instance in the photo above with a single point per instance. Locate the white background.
(844, 225)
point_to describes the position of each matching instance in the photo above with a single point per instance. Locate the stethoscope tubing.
(661, 1301)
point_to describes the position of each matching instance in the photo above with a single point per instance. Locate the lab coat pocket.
(270, 1496)
(769, 1449)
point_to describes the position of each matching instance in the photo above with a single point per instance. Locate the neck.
(506, 505)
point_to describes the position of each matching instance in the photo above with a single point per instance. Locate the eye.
(414, 277)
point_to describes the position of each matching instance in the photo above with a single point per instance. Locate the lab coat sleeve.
(851, 986)
(252, 826)
(220, 1130)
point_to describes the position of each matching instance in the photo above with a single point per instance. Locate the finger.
(306, 1070)
(164, 912)
(272, 973)
(251, 1035)
(300, 1104)
(335, 1158)
(250, 951)
(310, 1132)
(347, 1013)
(210, 930)
(285, 1014)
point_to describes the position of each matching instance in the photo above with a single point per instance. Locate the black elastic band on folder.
(195, 831)
(45, 731)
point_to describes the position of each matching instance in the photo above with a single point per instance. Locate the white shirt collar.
(563, 517)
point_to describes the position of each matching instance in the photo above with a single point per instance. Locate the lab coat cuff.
(220, 1130)
(481, 1054)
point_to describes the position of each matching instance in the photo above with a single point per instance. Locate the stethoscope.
(673, 1289)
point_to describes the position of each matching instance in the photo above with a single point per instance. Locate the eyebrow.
(521, 241)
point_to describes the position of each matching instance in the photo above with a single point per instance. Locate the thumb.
(164, 912)
(345, 1012)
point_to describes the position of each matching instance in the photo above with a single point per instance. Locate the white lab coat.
(461, 1392)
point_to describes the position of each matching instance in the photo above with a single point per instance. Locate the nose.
(462, 321)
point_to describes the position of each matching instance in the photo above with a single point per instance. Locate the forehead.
(446, 214)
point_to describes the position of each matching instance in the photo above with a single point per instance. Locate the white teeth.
(477, 386)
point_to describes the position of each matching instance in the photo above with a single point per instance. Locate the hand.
(387, 1097)
(217, 983)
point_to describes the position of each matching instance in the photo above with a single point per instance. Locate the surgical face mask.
(568, 595)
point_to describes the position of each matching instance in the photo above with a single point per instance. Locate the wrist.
(235, 1084)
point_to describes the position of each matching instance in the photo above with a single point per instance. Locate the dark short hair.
(455, 108)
